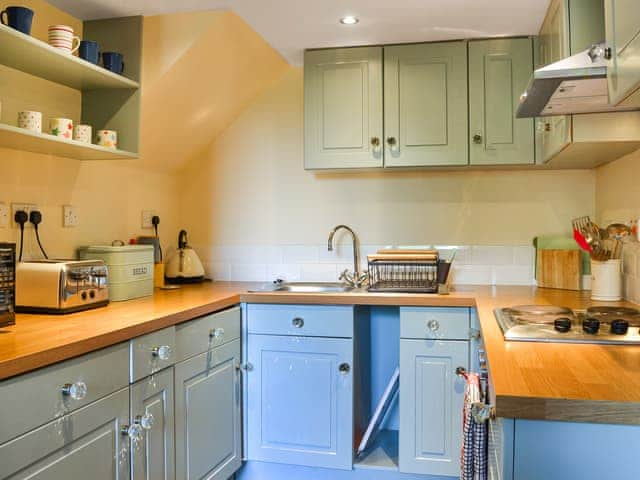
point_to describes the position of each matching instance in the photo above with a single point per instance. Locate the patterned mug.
(107, 138)
(82, 133)
(30, 121)
(61, 127)
(62, 38)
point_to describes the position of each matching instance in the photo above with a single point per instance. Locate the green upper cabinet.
(498, 74)
(553, 133)
(343, 108)
(425, 104)
(623, 36)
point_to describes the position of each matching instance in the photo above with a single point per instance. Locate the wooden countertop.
(578, 382)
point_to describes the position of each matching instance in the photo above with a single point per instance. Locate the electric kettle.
(184, 266)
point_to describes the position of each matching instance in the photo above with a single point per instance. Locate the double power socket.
(70, 217)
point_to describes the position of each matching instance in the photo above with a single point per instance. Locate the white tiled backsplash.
(631, 271)
(473, 265)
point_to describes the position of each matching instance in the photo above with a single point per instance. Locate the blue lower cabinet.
(431, 401)
(207, 414)
(566, 450)
(300, 400)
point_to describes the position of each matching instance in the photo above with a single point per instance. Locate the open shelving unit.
(22, 139)
(38, 58)
(109, 101)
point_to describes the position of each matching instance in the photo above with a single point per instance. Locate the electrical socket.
(26, 207)
(70, 217)
(4, 215)
(147, 215)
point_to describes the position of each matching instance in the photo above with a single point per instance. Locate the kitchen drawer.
(35, 398)
(434, 323)
(301, 320)
(199, 335)
(152, 352)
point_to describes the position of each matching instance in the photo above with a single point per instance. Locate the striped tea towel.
(473, 458)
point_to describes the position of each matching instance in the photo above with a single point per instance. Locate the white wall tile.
(513, 275)
(300, 254)
(242, 272)
(318, 272)
(524, 255)
(489, 255)
(218, 271)
(471, 274)
(284, 271)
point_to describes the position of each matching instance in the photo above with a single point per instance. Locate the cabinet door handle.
(162, 352)
(375, 142)
(216, 333)
(477, 139)
(391, 141)
(297, 322)
(344, 368)
(77, 390)
(433, 325)
(247, 367)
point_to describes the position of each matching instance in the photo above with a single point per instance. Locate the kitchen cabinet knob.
(344, 368)
(477, 139)
(77, 390)
(146, 421)
(433, 325)
(216, 333)
(607, 53)
(162, 352)
(391, 141)
(474, 334)
(375, 142)
(297, 322)
(247, 367)
(134, 432)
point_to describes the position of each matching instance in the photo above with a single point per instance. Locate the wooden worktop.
(579, 382)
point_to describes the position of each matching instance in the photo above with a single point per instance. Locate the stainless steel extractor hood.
(577, 84)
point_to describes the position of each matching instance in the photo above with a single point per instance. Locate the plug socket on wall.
(147, 218)
(25, 207)
(70, 217)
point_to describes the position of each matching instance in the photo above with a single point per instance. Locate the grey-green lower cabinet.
(87, 443)
(153, 455)
(207, 415)
(431, 402)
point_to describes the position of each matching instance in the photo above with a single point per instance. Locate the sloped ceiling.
(290, 26)
(200, 71)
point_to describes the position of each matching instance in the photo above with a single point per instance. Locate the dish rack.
(404, 273)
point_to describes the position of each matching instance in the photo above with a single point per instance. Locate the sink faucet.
(357, 278)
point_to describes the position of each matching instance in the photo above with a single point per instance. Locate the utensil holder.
(606, 280)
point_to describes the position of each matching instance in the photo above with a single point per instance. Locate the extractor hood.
(577, 84)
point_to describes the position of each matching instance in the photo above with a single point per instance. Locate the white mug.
(30, 120)
(62, 37)
(61, 127)
(82, 133)
(107, 138)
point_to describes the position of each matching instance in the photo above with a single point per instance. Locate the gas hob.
(547, 323)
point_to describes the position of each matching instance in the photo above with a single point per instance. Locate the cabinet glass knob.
(391, 141)
(247, 367)
(163, 352)
(134, 432)
(297, 322)
(477, 138)
(375, 142)
(433, 325)
(77, 390)
(344, 368)
(217, 333)
(146, 421)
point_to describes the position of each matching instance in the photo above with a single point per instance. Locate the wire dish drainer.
(416, 276)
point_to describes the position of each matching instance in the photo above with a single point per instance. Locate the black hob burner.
(549, 323)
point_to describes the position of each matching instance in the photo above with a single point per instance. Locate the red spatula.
(581, 241)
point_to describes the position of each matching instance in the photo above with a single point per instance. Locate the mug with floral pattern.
(107, 138)
(30, 121)
(61, 127)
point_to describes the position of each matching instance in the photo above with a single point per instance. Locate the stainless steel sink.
(311, 287)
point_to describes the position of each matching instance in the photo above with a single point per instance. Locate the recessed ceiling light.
(349, 20)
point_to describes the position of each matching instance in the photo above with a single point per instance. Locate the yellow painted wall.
(250, 188)
(617, 191)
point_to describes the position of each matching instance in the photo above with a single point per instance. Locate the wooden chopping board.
(559, 269)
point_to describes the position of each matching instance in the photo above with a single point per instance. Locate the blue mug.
(18, 18)
(113, 61)
(89, 51)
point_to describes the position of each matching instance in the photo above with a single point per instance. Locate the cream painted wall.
(617, 192)
(249, 188)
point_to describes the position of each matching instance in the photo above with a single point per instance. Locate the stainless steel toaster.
(61, 286)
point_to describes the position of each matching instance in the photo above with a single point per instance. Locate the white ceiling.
(290, 26)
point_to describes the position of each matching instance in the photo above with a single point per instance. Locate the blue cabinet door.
(207, 414)
(431, 399)
(300, 400)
